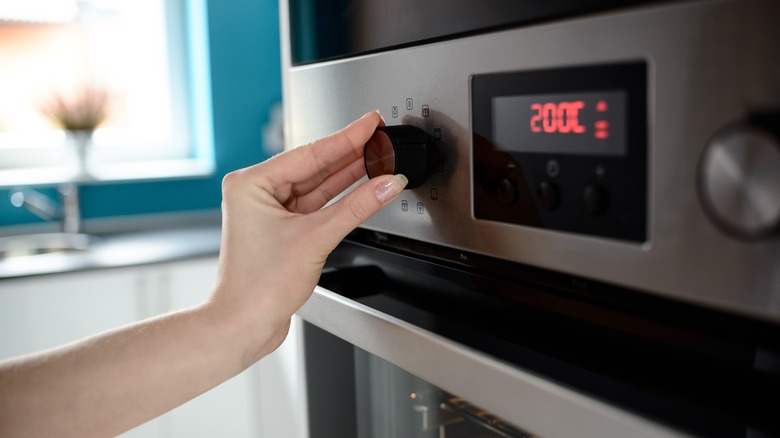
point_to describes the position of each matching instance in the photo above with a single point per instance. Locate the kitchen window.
(144, 60)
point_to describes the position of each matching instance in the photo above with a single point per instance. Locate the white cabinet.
(41, 312)
(44, 312)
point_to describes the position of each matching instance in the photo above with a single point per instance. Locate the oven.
(590, 244)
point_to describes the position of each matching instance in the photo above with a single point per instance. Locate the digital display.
(588, 123)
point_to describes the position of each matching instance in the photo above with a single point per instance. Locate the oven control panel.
(563, 149)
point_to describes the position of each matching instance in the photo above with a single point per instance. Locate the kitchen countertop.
(120, 250)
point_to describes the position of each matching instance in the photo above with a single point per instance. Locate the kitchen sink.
(44, 243)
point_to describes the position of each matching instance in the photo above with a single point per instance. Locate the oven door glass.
(353, 393)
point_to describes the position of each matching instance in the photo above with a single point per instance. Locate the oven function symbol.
(426, 111)
(553, 168)
(394, 112)
(404, 205)
(434, 194)
(437, 134)
(420, 208)
(409, 103)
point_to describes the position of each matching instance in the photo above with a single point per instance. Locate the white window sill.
(108, 173)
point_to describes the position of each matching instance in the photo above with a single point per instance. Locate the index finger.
(307, 166)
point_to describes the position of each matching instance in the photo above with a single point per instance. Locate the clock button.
(400, 149)
(548, 195)
(595, 199)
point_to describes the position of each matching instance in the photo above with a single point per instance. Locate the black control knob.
(400, 149)
(739, 180)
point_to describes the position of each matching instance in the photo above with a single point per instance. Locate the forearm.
(109, 383)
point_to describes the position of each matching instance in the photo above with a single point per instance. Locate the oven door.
(401, 340)
(371, 375)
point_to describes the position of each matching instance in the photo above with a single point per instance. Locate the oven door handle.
(521, 397)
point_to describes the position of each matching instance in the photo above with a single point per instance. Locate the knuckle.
(359, 210)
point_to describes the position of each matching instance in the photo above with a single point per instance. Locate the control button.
(426, 111)
(395, 112)
(420, 208)
(409, 103)
(595, 199)
(434, 194)
(400, 149)
(548, 195)
(739, 180)
(507, 192)
(404, 206)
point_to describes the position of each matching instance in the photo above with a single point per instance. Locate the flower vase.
(81, 142)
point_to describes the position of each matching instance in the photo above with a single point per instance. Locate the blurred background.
(186, 90)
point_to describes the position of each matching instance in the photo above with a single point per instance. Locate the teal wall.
(245, 83)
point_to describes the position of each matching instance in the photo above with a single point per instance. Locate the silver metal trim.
(522, 398)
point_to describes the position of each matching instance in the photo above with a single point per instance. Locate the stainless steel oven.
(591, 247)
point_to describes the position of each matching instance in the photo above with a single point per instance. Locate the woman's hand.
(275, 238)
(276, 233)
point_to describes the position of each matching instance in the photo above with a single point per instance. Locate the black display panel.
(331, 29)
(563, 149)
(580, 124)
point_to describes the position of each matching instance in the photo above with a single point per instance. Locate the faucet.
(66, 211)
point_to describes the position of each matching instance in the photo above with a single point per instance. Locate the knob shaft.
(739, 181)
(400, 149)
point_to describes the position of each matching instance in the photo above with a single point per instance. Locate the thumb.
(360, 204)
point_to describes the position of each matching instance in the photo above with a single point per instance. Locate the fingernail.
(380, 115)
(390, 188)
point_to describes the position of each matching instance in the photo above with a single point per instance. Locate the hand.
(276, 233)
(275, 238)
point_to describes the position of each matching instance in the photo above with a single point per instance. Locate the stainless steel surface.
(522, 398)
(740, 181)
(710, 63)
(111, 250)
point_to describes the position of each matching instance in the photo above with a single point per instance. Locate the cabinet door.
(37, 313)
(43, 312)
(265, 401)
(230, 409)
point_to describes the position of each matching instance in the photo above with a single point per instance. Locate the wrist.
(247, 328)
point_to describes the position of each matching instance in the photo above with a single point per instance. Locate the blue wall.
(245, 83)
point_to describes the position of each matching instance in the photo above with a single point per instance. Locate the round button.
(400, 149)
(739, 181)
(507, 191)
(548, 195)
(595, 199)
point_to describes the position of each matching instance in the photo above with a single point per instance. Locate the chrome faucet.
(65, 211)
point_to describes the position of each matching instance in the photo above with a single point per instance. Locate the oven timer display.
(563, 149)
(590, 123)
